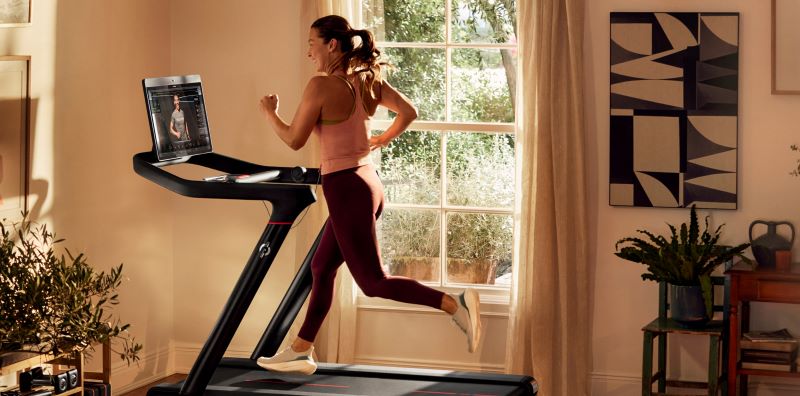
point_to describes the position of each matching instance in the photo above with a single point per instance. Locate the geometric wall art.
(674, 109)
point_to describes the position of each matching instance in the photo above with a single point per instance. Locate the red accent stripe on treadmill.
(297, 383)
(281, 222)
(453, 393)
(328, 385)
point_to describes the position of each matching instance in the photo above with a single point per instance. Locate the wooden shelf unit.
(22, 363)
(748, 285)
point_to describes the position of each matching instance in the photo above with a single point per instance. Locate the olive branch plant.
(55, 303)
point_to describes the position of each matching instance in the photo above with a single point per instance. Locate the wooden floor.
(143, 390)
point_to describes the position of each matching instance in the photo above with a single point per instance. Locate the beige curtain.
(336, 339)
(549, 328)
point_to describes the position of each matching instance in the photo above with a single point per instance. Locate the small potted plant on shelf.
(685, 261)
(52, 303)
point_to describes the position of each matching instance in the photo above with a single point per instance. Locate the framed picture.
(674, 109)
(785, 47)
(15, 13)
(14, 141)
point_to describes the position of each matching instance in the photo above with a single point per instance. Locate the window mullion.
(485, 127)
(425, 44)
(443, 147)
(442, 211)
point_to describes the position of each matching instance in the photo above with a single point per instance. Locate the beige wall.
(623, 303)
(243, 50)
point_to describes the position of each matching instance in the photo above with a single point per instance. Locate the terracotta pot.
(419, 268)
(478, 271)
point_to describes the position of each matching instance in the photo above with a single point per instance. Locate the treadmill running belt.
(231, 381)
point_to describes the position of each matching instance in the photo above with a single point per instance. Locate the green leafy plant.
(55, 303)
(687, 258)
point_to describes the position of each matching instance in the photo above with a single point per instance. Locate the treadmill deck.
(243, 377)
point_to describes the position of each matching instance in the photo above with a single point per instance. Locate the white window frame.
(495, 296)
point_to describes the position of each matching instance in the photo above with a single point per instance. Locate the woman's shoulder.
(322, 82)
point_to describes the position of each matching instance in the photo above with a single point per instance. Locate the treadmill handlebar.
(289, 194)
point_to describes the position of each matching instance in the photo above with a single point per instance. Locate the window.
(449, 179)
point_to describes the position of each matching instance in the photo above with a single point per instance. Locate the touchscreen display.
(177, 113)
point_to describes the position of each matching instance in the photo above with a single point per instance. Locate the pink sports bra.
(345, 144)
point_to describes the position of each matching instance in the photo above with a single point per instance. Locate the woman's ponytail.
(364, 58)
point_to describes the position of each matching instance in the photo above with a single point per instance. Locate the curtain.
(549, 329)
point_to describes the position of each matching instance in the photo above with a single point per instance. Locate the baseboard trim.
(186, 354)
(620, 381)
(137, 372)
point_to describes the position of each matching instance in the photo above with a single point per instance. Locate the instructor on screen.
(177, 125)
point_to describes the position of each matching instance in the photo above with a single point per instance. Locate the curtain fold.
(549, 329)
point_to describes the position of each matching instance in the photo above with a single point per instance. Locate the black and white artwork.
(674, 108)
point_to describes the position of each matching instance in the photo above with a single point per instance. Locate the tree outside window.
(450, 179)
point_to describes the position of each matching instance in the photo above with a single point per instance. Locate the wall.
(623, 303)
(243, 50)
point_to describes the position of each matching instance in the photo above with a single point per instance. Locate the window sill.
(492, 304)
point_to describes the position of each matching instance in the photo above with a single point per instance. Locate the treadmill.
(290, 191)
(181, 134)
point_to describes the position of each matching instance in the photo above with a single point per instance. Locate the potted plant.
(479, 247)
(411, 244)
(685, 261)
(55, 304)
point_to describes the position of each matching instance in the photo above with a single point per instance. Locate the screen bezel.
(173, 81)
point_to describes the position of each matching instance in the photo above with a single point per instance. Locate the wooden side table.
(754, 285)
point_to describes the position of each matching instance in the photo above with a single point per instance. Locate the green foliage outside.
(55, 303)
(409, 233)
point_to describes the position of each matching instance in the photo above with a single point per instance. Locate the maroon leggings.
(355, 201)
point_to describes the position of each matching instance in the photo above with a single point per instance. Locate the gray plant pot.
(686, 305)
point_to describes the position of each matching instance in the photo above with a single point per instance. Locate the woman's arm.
(400, 104)
(296, 134)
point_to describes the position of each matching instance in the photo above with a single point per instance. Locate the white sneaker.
(289, 361)
(468, 317)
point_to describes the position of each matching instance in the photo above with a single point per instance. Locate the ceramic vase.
(765, 245)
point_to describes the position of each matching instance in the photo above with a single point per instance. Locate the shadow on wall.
(16, 184)
(37, 188)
